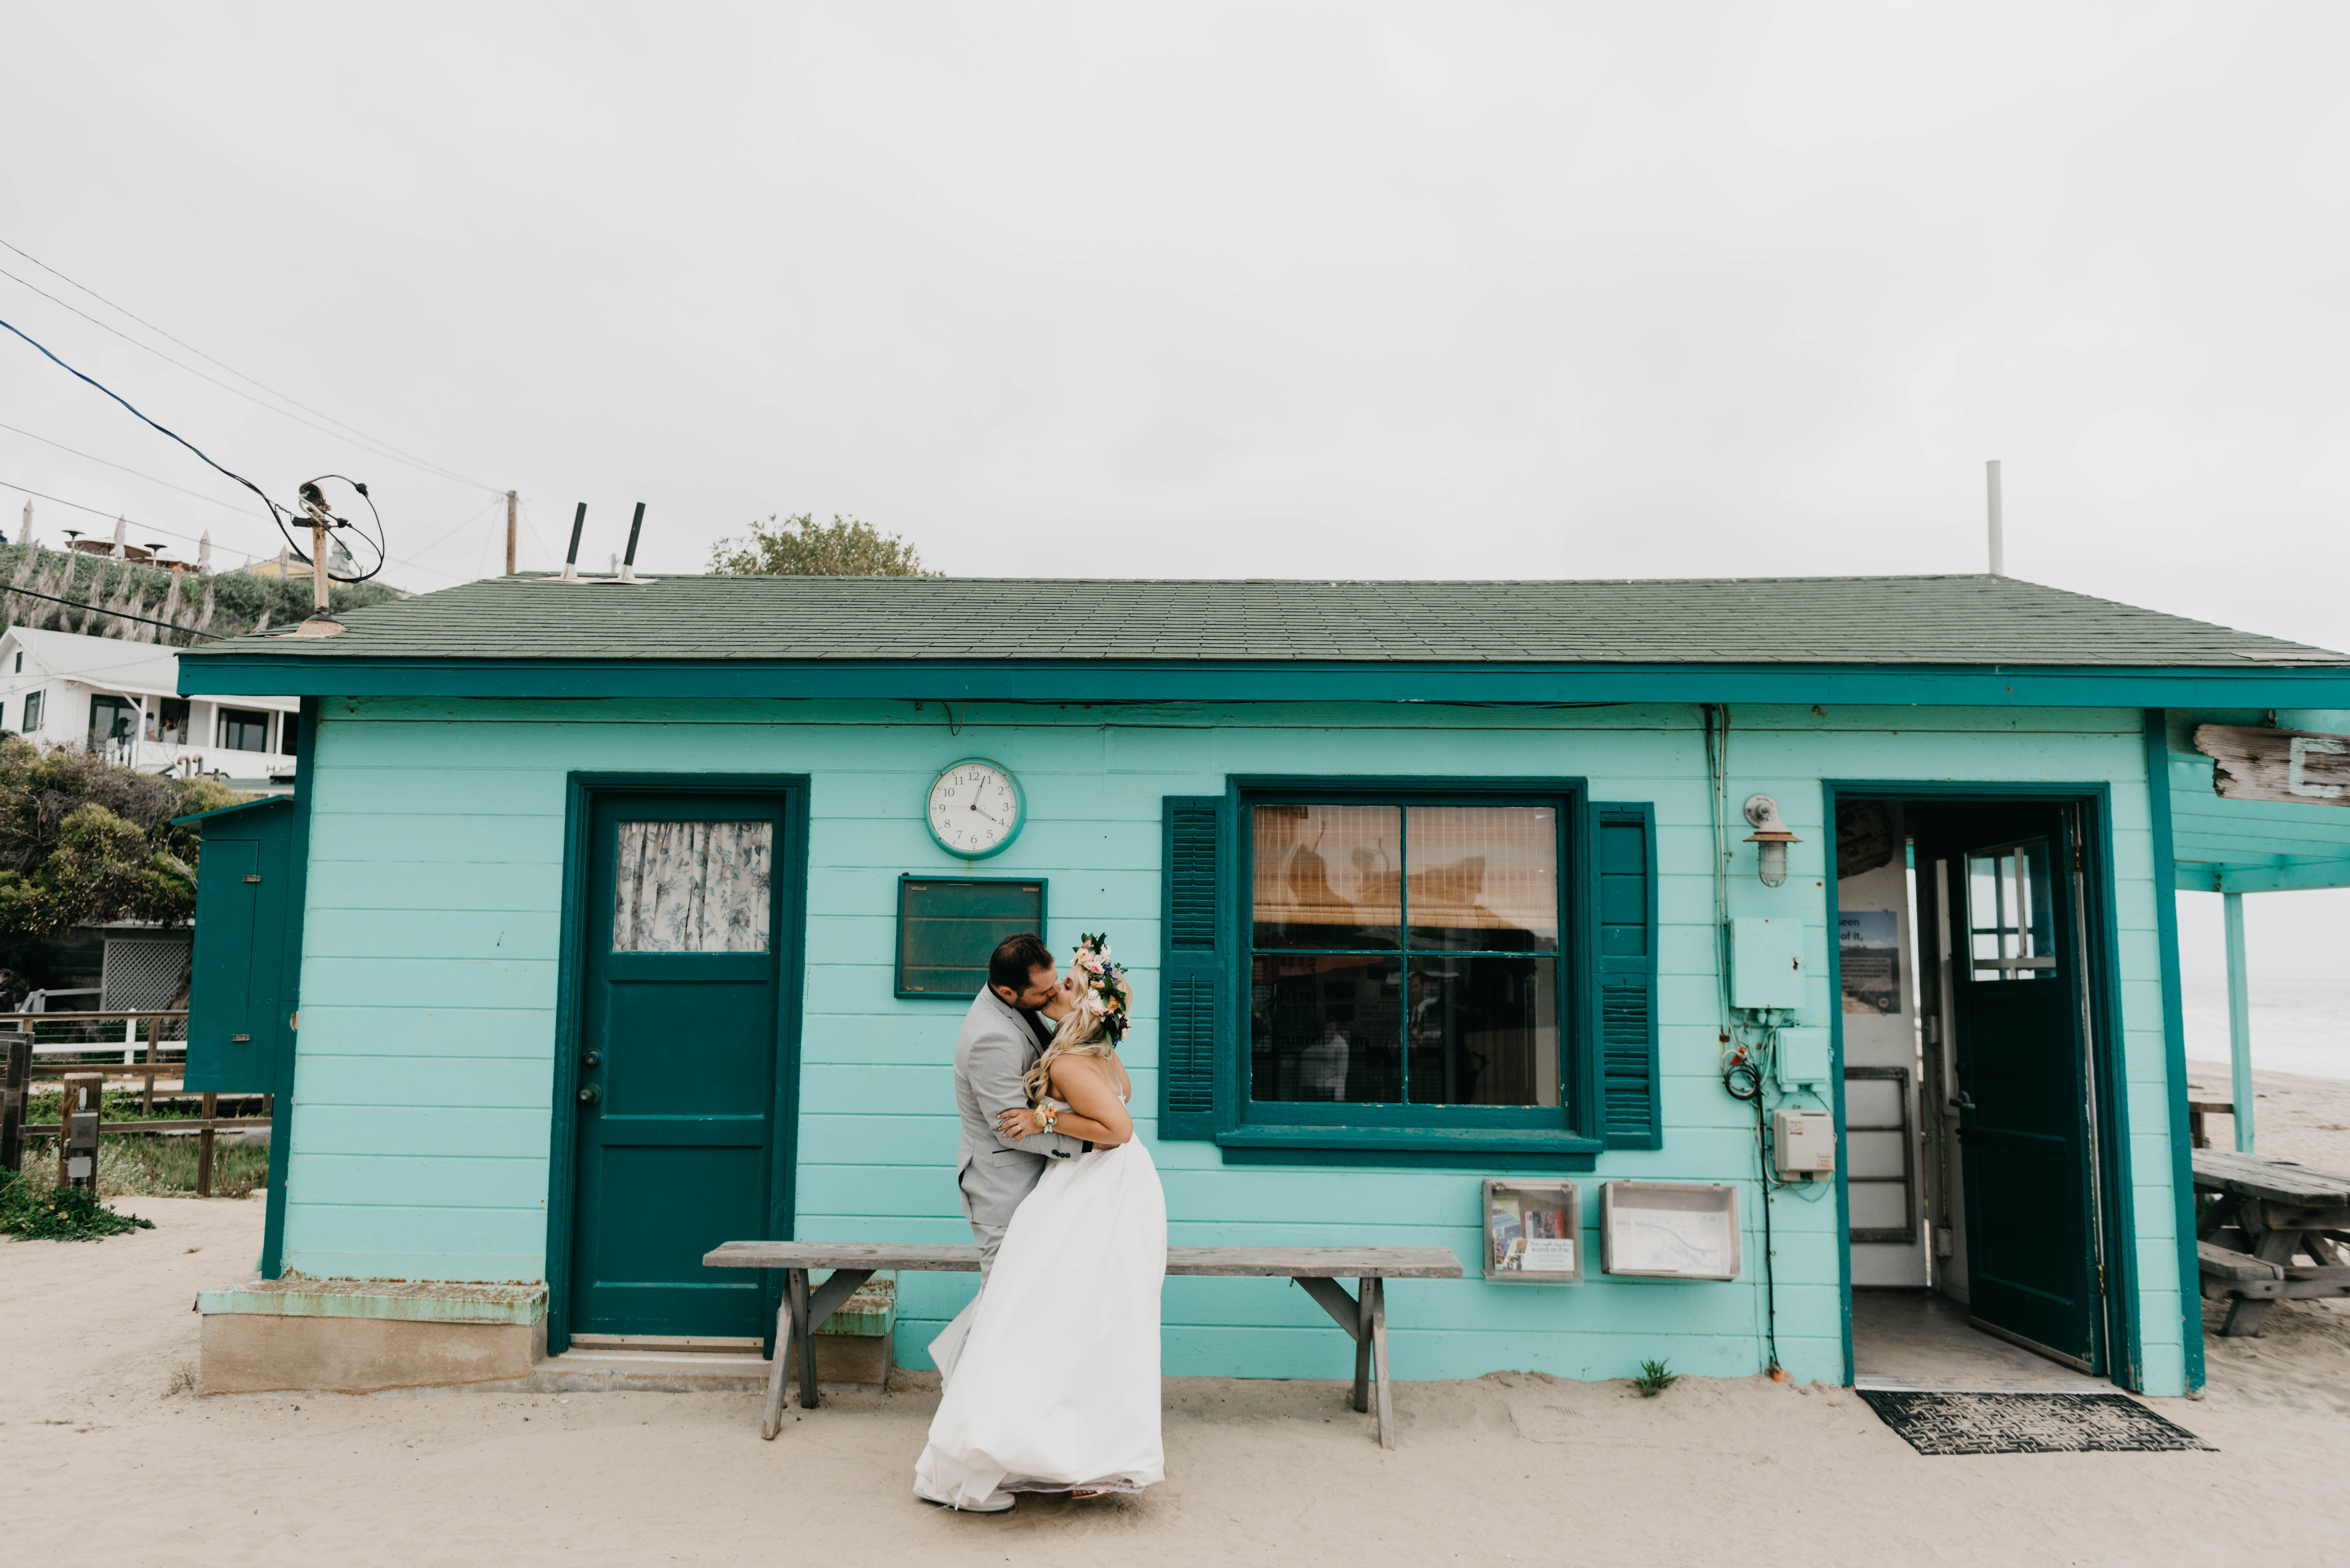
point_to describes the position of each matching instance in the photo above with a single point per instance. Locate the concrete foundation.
(358, 1336)
(251, 1353)
(365, 1336)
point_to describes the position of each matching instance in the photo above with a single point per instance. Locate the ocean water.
(2298, 1025)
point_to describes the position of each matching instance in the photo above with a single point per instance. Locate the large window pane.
(1325, 1029)
(1483, 1031)
(1328, 875)
(693, 887)
(1485, 877)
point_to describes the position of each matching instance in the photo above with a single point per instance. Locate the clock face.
(975, 809)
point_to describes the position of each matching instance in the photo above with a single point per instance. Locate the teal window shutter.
(1632, 1091)
(1191, 970)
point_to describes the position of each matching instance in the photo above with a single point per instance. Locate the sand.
(112, 1461)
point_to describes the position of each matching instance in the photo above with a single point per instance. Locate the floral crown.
(1103, 989)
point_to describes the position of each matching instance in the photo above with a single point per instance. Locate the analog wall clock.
(975, 808)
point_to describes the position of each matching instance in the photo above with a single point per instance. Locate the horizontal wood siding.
(422, 1087)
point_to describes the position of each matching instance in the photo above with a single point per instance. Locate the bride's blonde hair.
(1097, 1023)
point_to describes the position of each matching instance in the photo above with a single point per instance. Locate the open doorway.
(1970, 967)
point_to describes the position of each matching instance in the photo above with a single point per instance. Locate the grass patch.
(1654, 1379)
(135, 1165)
(35, 1213)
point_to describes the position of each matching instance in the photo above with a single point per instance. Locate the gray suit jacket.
(997, 1046)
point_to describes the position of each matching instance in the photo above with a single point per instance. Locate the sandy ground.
(112, 1460)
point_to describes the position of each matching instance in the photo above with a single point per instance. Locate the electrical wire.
(345, 432)
(102, 611)
(126, 468)
(277, 513)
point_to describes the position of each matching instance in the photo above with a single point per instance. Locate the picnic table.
(2267, 1213)
(1316, 1270)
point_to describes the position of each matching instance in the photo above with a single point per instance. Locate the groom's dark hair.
(1016, 959)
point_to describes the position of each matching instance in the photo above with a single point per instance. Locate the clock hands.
(997, 820)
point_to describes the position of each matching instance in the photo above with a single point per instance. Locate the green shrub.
(32, 1213)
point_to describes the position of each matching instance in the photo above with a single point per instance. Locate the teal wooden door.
(2024, 1112)
(682, 1056)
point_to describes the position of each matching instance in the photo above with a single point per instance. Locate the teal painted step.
(407, 1301)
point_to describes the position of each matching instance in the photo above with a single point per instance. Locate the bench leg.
(1364, 1300)
(803, 1336)
(771, 1418)
(1375, 1289)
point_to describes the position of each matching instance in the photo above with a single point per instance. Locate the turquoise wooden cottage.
(623, 920)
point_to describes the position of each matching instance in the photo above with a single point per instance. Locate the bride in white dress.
(1052, 1373)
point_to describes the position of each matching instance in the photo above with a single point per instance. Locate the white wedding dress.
(1051, 1372)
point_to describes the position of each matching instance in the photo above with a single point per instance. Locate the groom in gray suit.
(1002, 1035)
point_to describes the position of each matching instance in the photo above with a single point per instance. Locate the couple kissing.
(1051, 1374)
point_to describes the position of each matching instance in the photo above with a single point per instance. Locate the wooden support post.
(16, 1082)
(511, 497)
(803, 1336)
(154, 1056)
(772, 1420)
(84, 1098)
(1363, 1346)
(205, 1148)
(1375, 1291)
(2240, 1019)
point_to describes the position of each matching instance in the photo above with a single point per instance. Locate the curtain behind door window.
(693, 887)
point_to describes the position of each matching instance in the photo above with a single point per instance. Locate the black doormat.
(2027, 1423)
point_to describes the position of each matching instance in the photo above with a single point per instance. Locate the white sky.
(1225, 290)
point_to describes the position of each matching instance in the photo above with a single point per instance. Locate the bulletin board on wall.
(1534, 1233)
(947, 927)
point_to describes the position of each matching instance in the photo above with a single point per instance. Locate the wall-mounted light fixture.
(1770, 837)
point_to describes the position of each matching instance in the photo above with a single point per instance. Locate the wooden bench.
(2267, 1211)
(1317, 1270)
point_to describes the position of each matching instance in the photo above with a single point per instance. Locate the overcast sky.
(1252, 290)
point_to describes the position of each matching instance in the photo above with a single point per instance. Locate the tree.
(83, 840)
(799, 547)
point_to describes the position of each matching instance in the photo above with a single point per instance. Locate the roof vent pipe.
(571, 561)
(1998, 542)
(628, 561)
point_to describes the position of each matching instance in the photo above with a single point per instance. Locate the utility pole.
(510, 532)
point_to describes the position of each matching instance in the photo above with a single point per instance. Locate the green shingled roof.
(1915, 621)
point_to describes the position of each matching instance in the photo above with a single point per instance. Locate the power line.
(92, 457)
(406, 562)
(117, 615)
(347, 432)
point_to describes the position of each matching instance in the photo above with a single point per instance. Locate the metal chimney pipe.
(1998, 538)
(571, 560)
(628, 561)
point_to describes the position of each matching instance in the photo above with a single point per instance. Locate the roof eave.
(1171, 681)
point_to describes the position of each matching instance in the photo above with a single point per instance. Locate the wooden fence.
(59, 1045)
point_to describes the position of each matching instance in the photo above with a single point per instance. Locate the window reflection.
(1405, 955)
(2010, 913)
(1327, 876)
(1484, 878)
(1325, 1029)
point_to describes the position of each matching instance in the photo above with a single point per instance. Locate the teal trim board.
(2174, 1042)
(1109, 681)
(290, 962)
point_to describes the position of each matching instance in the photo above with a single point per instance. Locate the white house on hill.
(121, 701)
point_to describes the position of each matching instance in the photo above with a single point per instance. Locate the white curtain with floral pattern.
(693, 887)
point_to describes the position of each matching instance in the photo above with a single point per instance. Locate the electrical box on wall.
(1802, 1143)
(1803, 1057)
(1766, 964)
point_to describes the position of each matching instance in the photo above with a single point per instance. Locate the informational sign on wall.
(1869, 957)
